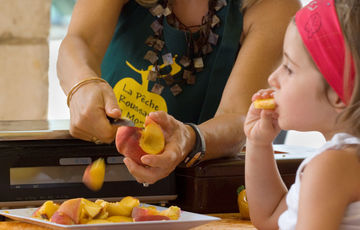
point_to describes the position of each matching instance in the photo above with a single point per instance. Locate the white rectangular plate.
(187, 220)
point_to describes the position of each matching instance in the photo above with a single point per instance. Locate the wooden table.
(229, 221)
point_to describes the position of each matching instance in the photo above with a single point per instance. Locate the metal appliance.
(40, 161)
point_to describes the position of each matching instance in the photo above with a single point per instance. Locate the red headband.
(321, 33)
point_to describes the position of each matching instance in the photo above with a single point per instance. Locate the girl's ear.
(335, 100)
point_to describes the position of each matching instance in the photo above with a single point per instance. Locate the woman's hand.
(179, 139)
(89, 106)
(261, 125)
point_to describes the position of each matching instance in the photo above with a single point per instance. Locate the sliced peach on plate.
(99, 221)
(134, 142)
(147, 214)
(94, 175)
(173, 212)
(119, 219)
(123, 207)
(61, 218)
(78, 210)
(89, 210)
(68, 212)
(46, 210)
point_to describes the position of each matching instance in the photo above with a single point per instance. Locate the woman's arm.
(265, 24)
(82, 50)
(80, 56)
(260, 53)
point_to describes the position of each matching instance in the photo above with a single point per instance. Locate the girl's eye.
(287, 69)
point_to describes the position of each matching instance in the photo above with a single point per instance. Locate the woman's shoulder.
(271, 11)
(267, 16)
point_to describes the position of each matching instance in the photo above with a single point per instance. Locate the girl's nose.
(273, 79)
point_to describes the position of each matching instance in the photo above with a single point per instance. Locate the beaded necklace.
(197, 49)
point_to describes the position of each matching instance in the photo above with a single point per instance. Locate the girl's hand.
(89, 106)
(261, 125)
(177, 138)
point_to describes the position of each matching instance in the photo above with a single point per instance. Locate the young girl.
(315, 88)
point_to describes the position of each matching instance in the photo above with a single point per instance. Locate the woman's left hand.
(179, 140)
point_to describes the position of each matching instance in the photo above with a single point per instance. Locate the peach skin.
(94, 175)
(134, 142)
(76, 211)
(68, 212)
(147, 214)
(61, 218)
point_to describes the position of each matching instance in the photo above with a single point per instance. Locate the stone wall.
(24, 59)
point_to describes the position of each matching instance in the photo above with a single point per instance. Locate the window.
(60, 17)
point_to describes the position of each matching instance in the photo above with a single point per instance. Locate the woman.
(198, 60)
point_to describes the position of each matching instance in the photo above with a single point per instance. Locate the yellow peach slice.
(98, 221)
(118, 219)
(123, 207)
(173, 212)
(268, 103)
(47, 210)
(94, 175)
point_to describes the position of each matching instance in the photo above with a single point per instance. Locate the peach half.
(134, 142)
(94, 175)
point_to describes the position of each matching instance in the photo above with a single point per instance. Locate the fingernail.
(144, 160)
(116, 110)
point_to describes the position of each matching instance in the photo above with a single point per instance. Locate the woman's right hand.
(89, 106)
(261, 125)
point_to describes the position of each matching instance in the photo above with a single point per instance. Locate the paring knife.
(121, 121)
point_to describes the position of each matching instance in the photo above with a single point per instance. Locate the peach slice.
(118, 219)
(94, 175)
(147, 214)
(61, 218)
(79, 210)
(151, 213)
(121, 208)
(68, 212)
(173, 212)
(134, 142)
(46, 210)
(268, 103)
(99, 221)
(89, 210)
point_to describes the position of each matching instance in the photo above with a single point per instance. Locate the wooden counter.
(228, 221)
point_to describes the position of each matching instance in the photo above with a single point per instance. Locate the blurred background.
(60, 17)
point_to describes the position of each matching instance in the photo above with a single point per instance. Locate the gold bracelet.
(79, 84)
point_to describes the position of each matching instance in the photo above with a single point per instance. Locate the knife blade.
(121, 121)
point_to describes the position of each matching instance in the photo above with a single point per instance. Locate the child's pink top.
(351, 220)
